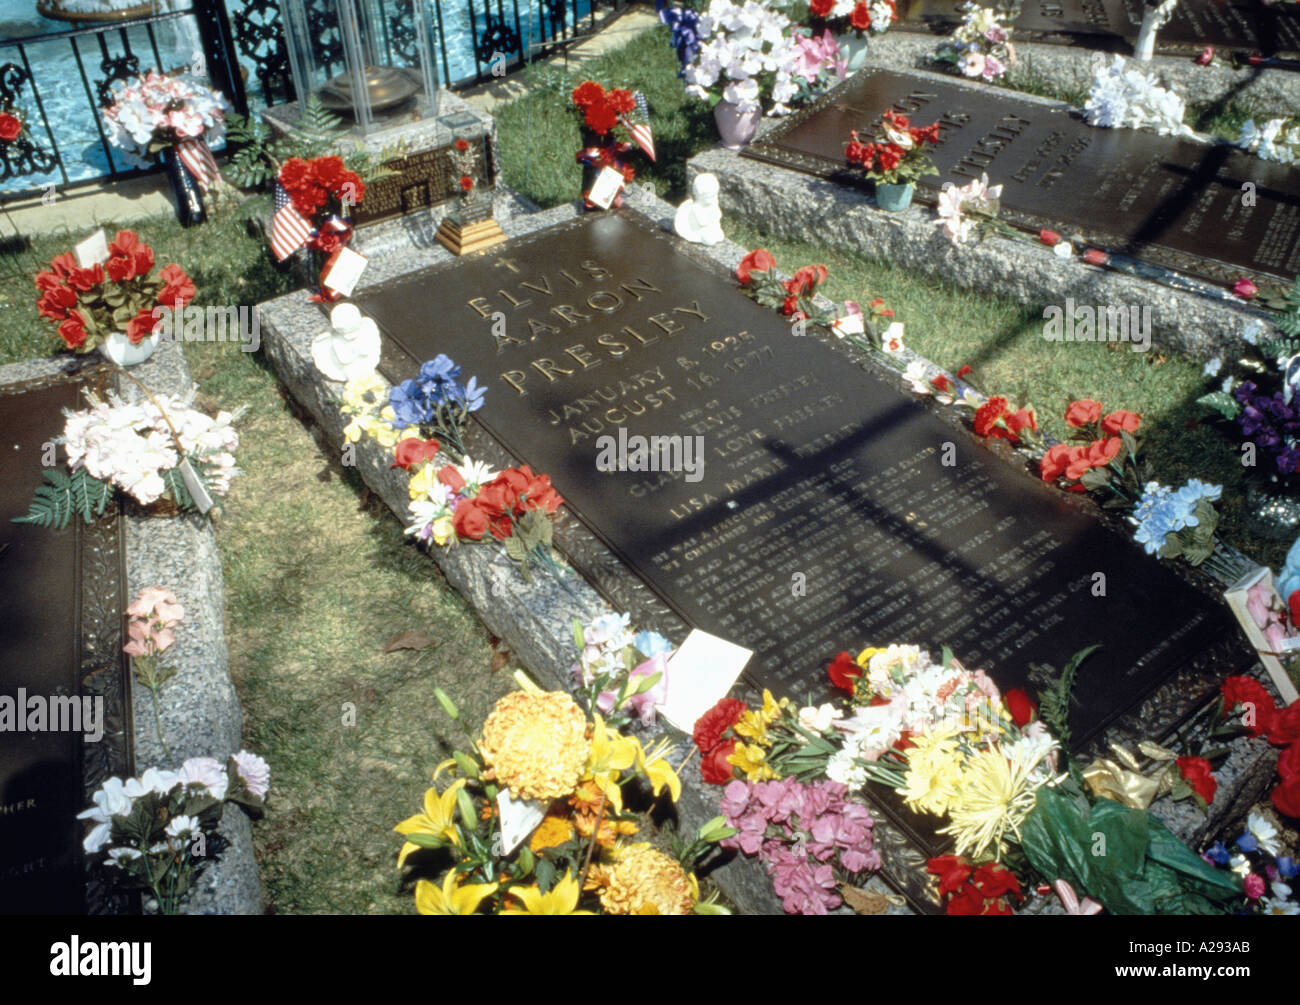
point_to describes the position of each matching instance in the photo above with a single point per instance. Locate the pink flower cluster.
(798, 830)
(153, 616)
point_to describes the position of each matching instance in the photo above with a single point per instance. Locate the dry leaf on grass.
(412, 638)
(499, 659)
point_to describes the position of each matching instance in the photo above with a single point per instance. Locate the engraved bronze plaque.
(824, 516)
(1113, 24)
(420, 181)
(60, 638)
(1162, 199)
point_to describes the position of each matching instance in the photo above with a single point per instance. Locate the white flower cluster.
(130, 444)
(1275, 140)
(1128, 98)
(743, 46)
(116, 798)
(164, 109)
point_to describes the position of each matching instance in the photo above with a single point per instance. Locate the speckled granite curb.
(534, 619)
(199, 708)
(1263, 92)
(796, 206)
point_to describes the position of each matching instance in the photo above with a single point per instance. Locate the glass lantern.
(369, 61)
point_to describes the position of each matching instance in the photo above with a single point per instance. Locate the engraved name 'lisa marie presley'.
(550, 306)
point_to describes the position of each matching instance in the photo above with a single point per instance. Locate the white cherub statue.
(350, 348)
(699, 219)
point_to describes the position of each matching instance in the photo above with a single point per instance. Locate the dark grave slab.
(814, 467)
(1162, 199)
(61, 637)
(1113, 24)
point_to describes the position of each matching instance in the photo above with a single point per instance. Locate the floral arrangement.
(898, 155)
(797, 297)
(1173, 523)
(1266, 875)
(993, 766)
(1127, 98)
(153, 615)
(120, 295)
(981, 46)
(320, 190)
(622, 674)
(464, 161)
(857, 16)
(1250, 708)
(1276, 140)
(453, 497)
(145, 448)
(600, 113)
(575, 854)
(746, 55)
(965, 210)
(160, 829)
(157, 112)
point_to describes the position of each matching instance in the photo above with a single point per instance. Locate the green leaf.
(1221, 402)
(62, 495)
(1095, 478)
(579, 640)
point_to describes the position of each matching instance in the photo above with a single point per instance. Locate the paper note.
(607, 186)
(92, 250)
(343, 270)
(700, 674)
(519, 818)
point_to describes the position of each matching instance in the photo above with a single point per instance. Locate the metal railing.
(242, 50)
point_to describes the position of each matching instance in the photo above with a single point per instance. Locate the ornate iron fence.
(60, 80)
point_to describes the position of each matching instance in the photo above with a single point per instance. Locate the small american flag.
(289, 230)
(639, 129)
(198, 160)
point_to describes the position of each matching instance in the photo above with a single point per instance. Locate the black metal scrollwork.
(115, 68)
(497, 37)
(401, 34)
(259, 36)
(23, 155)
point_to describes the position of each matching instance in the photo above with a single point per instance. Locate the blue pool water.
(67, 100)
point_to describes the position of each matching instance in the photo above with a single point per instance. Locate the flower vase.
(853, 50)
(1272, 513)
(190, 209)
(122, 351)
(736, 127)
(894, 198)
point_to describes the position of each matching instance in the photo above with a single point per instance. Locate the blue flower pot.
(894, 197)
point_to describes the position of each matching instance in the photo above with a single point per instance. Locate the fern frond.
(62, 495)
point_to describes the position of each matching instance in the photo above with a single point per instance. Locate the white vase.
(120, 349)
(735, 127)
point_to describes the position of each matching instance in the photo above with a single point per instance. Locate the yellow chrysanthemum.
(646, 881)
(996, 794)
(934, 764)
(536, 744)
(563, 899)
(452, 898)
(752, 760)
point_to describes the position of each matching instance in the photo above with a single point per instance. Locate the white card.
(92, 250)
(607, 185)
(700, 673)
(519, 818)
(344, 269)
(850, 324)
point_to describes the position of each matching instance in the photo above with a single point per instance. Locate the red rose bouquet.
(120, 295)
(321, 190)
(613, 122)
(898, 154)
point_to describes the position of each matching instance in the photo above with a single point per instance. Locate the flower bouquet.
(747, 60)
(895, 159)
(532, 818)
(113, 306)
(981, 46)
(797, 297)
(1123, 97)
(161, 829)
(1276, 140)
(622, 674)
(604, 116)
(160, 450)
(178, 118)
(852, 22)
(313, 200)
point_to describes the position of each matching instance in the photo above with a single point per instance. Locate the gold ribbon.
(1123, 780)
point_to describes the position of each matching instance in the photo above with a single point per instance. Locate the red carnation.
(953, 872)
(714, 766)
(141, 326)
(993, 881)
(1120, 420)
(1286, 797)
(1284, 726)
(587, 94)
(1197, 773)
(988, 414)
(861, 16)
(1257, 704)
(10, 127)
(176, 286)
(758, 260)
(1083, 413)
(621, 101)
(1288, 764)
(413, 451)
(1054, 462)
(710, 727)
(1022, 708)
(844, 672)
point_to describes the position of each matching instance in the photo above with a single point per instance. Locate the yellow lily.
(611, 753)
(452, 898)
(563, 899)
(438, 819)
(657, 769)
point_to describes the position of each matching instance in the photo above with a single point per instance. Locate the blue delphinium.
(437, 402)
(1161, 511)
(410, 404)
(1217, 854)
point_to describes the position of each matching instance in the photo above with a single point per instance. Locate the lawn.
(318, 573)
